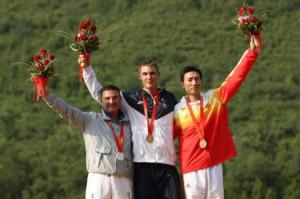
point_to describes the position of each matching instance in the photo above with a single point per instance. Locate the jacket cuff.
(87, 70)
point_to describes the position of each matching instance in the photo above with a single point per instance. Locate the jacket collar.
(160, 90)
(183, 100)
(121, 118)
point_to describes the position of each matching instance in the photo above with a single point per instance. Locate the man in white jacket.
(108, 144)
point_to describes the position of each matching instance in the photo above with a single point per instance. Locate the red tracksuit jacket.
(220, 145)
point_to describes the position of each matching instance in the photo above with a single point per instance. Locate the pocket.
(102, 151)
(102, 146)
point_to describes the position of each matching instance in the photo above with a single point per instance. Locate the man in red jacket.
(201, 124)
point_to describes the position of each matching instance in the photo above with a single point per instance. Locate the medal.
(150, 127)
(199, 124)
(149, 138)
(202, 143)
(120, 156)
(119, 141)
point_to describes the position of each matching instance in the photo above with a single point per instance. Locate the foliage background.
(42, 157)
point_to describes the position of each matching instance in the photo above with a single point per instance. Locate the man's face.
(149, 76)
(111, 101)
(191, 83)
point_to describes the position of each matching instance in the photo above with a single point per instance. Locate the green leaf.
(74, 47)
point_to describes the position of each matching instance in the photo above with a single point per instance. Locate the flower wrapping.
(80, 68)
(40, 88)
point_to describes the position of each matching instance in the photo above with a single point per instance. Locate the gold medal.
(198, 124)
(149, 138)
(202, 143)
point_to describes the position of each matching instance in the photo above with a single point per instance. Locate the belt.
(116, 175)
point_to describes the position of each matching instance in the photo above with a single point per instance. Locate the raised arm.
(74, 116)
(92, 83)
(237, 76)
(89, 77)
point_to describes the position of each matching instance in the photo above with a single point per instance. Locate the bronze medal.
(149, 138)
(202, 143)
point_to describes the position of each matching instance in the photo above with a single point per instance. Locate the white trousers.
(204, 183)
(101, 186)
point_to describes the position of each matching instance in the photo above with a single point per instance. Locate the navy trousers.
(156, 181)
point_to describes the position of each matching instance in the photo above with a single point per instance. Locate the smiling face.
(111, 101)
(149, 77)
(192, 83)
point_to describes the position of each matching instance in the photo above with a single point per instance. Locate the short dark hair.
(149, 62)
(190, 69)
(108, 88)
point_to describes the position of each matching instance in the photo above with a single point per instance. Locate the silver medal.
(120, 156)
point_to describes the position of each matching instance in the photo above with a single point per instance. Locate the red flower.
(52, 57)
(43, 52)
(82, 26)
(241, 10)
(88, 22)
(36, 58)
(83, 37)
(94, 38)
(250, 10)
(40, 67)
(46, 61)
(245, 20)
(93, 28)
(253, 19)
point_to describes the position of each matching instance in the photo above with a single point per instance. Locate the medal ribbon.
(200, 124)
(145, 103)
(119, 141)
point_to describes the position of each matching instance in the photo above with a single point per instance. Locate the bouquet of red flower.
(247, 22)
(85, 41)
(41, 69)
